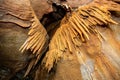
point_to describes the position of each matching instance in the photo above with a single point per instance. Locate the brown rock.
(15, 14)
(41, 7)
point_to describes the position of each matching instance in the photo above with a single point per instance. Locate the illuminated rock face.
(97, 60)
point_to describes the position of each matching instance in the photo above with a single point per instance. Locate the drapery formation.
(76, 30)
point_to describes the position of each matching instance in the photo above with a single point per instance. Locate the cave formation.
(59, 39)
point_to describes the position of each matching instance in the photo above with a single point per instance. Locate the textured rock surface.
(15, 14)
(41, 7)
(11, 60)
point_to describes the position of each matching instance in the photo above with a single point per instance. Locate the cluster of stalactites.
(76, 28)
